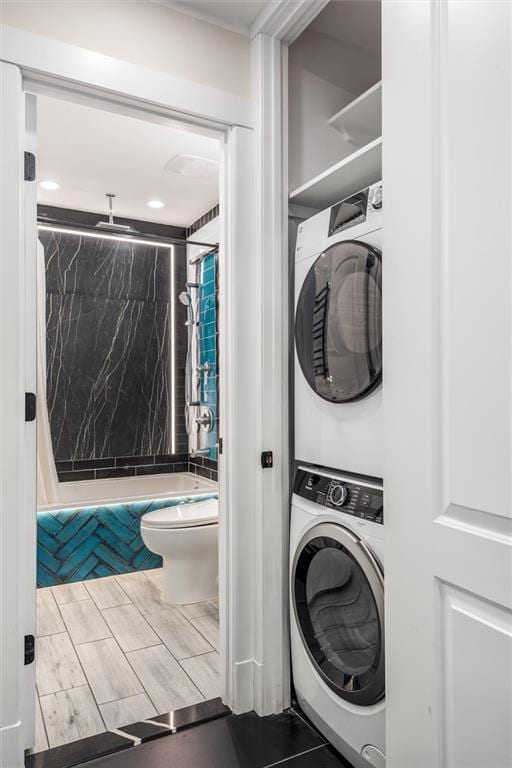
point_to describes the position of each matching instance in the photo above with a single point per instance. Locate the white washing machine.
(338, 336)
(337, 610)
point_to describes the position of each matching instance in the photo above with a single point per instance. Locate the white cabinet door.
(447, 381)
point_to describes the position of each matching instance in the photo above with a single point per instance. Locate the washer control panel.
(359, 496)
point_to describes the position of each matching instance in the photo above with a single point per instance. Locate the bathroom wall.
(109, 356)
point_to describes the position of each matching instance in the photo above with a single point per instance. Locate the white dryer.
(338, 336)
(337, 610)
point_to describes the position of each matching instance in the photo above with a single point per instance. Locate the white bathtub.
(90, 493)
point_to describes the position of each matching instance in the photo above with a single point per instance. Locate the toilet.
(186, 537)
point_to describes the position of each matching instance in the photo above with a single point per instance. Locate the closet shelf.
(361, 120)
(358, 170)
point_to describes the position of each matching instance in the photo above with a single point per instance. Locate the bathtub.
(87, 493)
(94, 531)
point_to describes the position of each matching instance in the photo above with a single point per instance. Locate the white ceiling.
(236, 15)
(91, 151)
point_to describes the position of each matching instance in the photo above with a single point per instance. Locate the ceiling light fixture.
(192, 165)
(155, 204)
(50, 185)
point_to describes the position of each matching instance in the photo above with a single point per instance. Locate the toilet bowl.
(186, 537)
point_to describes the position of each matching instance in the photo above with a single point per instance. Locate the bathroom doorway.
(128, 419)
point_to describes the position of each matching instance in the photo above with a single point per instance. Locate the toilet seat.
(188, 515)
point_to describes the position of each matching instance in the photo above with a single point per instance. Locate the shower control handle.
(206, 420)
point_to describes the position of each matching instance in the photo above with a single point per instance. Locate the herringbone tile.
(92, 542)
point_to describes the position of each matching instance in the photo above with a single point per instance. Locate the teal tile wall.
(208, 343)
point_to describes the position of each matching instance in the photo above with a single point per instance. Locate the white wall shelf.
(358, 170)
(361, 120)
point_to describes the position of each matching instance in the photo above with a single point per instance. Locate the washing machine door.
(338, 600)
(338, 322)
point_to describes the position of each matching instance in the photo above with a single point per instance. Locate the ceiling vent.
(192, 165)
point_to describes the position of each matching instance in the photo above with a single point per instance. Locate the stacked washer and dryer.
(337, 515)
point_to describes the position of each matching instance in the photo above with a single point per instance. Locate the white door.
(18, 237)
(447, 382)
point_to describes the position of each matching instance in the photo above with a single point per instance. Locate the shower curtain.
(47, 480)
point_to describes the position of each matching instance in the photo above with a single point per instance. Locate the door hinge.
(30, 649)
(220, 446)
(30, 166)
(267, 459)
(30, 406)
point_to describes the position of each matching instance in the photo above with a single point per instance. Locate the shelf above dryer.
(361, 121)
(360, 169)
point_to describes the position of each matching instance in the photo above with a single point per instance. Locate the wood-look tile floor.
(110, 652)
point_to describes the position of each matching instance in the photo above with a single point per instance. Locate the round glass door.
(338, 323)
(338, 597)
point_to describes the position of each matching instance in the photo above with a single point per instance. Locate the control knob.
(338, 494)
(377, 199)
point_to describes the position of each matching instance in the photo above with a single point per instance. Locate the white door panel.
(447, 382)
(476, 639)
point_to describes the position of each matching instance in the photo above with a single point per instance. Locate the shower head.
(185, 298)
(126, 229)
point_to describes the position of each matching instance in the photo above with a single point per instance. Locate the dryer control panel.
(361, 207)
(352, 494)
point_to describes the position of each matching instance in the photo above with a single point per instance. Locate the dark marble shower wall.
(108, 354)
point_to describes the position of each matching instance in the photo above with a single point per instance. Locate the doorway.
(128, 418)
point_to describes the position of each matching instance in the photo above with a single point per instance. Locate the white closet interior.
(335, 144)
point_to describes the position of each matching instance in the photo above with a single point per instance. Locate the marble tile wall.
(108, 356)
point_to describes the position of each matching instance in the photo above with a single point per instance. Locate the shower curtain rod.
(47, 221)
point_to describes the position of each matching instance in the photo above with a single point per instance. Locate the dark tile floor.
(205, 735)
(235, 741)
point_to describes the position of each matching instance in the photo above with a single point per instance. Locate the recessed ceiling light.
(155, 203)
(47, 184)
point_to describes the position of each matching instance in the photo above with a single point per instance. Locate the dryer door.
(338, 322)
(338, 599)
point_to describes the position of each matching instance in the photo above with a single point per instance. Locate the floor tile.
(57, 665)
(195, 610)
(167, 685)
(235, 741)
(126, 711)
(319, 757)
(193, 715)
(177, 633)
(84, 622)
(108, 672)
(49, 620)
(147, 731)
(70, 593)
(208, 626)
(77, 752)
(106, 592)
(41, 742)
(142, 591)
(130, 628)
(204, 672)
(156, 575)
(70, 715)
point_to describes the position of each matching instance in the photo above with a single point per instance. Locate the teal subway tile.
(73, 526)
(69, 566)
(86, 570)
(82, 536)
